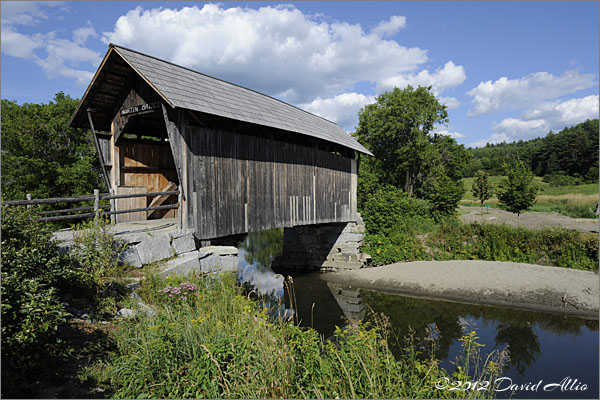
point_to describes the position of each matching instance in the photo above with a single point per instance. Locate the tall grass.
(219, 343)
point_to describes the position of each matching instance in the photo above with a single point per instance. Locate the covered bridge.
(244, 161)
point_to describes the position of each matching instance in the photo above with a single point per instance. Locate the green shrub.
(556, 247)
(561, 180)
(37, 280)
(388, 207)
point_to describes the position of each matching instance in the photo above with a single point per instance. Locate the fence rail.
(96, 208)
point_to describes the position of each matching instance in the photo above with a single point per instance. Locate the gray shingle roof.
(192, 90)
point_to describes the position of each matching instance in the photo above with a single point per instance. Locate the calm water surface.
(543, 346)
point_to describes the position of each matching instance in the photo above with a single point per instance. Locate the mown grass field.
(574, 201)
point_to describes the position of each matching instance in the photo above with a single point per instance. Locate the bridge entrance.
(143, 163)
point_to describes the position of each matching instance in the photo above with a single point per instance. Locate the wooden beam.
(99, 151)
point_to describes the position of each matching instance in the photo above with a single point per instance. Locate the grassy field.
(574, 201)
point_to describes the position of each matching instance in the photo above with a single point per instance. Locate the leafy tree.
(444, 193)
(396, 129)
(482, 188)
(41, 156)
(518, 192)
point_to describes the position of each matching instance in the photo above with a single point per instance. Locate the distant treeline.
(571, 152)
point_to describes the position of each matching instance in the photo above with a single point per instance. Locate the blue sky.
(506, 70)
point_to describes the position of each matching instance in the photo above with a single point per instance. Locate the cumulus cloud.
(274, 49)
(342, 109)
(450, 102)
(452, 134)
(390, 27)
(448, 76)
(58, 57)
(82, 34)
(27, 12)
(538, 121)
(506, 94)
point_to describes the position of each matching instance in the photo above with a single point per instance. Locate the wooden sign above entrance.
(140, 108)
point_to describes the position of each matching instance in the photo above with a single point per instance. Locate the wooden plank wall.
(148, 165)
(130, 203)
(240, 183)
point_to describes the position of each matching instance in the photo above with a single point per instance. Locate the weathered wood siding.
(239, 183)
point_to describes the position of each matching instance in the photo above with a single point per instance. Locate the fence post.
(28, 198)
(97, 203)
(112, 208)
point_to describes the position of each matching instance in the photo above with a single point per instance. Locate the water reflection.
(542, 345)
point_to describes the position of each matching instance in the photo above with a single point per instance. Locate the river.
(547, 347)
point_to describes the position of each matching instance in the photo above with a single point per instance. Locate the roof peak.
(219, 79)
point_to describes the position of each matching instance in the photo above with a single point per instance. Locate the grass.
(574, 201)
(451, 240)
(217, 342)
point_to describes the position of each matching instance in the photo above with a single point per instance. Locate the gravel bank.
(526, 286)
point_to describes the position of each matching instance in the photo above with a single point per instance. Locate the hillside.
(572, 152)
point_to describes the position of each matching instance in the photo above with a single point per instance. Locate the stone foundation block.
(130, 256)
(183, 244)
(220, 250)
(154, 249)
(182, 265)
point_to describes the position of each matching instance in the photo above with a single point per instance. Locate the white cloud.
(452, 134)
(18, 45)
(26, 12)
(538, 121)
(56, 56)
(274, 49)
(389, 28)
(505, 94)
(82, 34)
(342, 109)
(446, 77)
(450, 102)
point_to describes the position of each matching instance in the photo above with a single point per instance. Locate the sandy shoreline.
(526, 286)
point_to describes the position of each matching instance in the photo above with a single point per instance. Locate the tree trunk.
(408, 186)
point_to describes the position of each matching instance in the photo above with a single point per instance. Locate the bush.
(34, 278)
(388, 207)
(556, 247)
(37, 280)
(561, 180)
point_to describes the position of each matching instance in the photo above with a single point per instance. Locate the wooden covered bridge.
(243, 161)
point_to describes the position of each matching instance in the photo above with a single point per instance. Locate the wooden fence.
(96, 210)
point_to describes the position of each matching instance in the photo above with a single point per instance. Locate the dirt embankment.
(532, 220)
(526, 286)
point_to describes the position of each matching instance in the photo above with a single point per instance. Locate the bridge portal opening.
(145, 165)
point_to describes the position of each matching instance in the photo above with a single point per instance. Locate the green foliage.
(518, 192)
(482, 189)
(557, 247)
(388, 207)
(401, 245)
(572, 151)
(220, 344)
(37, 280)
(41, 156)
(562, 180)
(443, 193)
(396, 129)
